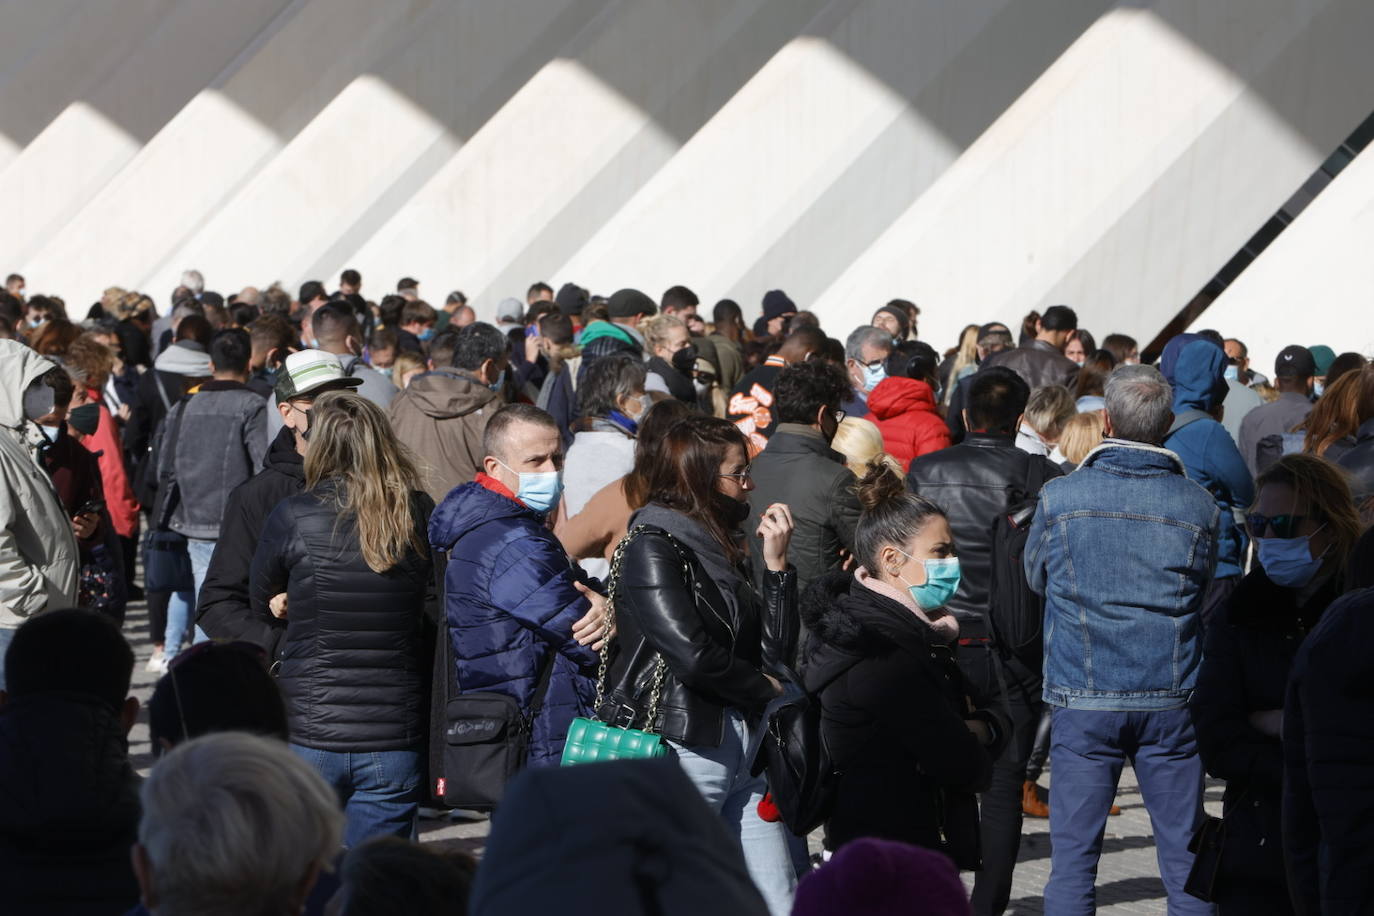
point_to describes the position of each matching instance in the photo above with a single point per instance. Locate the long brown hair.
(653, 429)
(1324, 487)
(1339, 412)
(351, 441)
(687, 470)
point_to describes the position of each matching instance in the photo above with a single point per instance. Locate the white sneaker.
(157, 662)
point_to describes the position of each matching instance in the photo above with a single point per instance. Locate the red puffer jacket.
(904, 409)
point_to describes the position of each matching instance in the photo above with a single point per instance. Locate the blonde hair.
(406, 361)
(1048, 409)
(655, 330)
(861, 443)
(351, 441)
(965, 356)
(1081, 435)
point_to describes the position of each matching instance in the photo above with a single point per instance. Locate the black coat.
(974, 482)
(224, 609)
(1244, 670)
(352, 666)
(715, 651)
(68, 808)
(1359, 461)
(893, 716)
(1328, 743)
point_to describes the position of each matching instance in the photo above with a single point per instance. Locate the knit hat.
(627, 302)
(871, 877)
(571, 299)
(1295, 362)
(1323, 356)
(775, 303)
(903, 319)
(307, 372)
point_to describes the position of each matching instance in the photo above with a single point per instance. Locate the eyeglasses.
(1284, 526)
(742, 476)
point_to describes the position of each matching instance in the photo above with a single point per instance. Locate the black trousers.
(1000, 806)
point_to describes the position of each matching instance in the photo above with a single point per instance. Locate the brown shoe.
(1031, 805)
(1115, 810)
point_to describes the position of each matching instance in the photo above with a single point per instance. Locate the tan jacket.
(598, 528)
(441, 416)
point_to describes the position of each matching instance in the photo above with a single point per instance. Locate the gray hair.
(866, 335)
(232, 823)
(1140, 404)
(193, 280)
(1048, 409)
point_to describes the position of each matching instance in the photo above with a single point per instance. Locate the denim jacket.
(1123, 550)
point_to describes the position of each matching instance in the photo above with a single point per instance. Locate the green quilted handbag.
(591, 740)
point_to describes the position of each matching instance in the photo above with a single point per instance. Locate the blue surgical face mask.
(540, 490)
(1232, 373)
(1317, 388)
(51, 432)
(386, 371)
(427, 333)
(942, 581)
(1289, 561)
(500, 381)
(873, 375)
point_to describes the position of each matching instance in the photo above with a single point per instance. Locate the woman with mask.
(696, 636)
(347, 565)
(1304, 525)
(613, 402)
(909, 747)
(672, 358)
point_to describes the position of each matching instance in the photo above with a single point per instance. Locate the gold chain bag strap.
(591, 740)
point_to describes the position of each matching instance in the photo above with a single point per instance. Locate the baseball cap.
(1322, 358)
(1295, 362)
(308, 371)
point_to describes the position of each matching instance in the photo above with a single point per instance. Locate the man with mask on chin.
(521, 618)
(38, 551)
(223, 610)
(442, 414)
(799, 469)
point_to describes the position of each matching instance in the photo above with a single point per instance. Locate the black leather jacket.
(715, 659)
(1037, 362)
(1359, 461)
(973, 482)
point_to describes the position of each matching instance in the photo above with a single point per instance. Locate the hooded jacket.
(1207, 451)
(629, 837)
(510, 601)
(39, 559)
(441, 416)
(224, 609)
(904, 410)
(893, 710)
(68, 807)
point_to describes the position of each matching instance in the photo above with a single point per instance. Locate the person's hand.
(532, 348)
(1268, 722)
(846, 560)
(774, 683)
(278, 606)
(125, 411)
(775, 528)
(591, 629)
(83, 526)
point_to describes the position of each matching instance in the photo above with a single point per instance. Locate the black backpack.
(1016, 614)
(792, 749)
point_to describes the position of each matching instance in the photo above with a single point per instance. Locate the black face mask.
(309, 424)
(685, 360)
(734, 512)
(84, 419)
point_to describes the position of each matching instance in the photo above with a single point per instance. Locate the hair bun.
(880, 485)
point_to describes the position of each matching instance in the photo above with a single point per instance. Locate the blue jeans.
(721, 774)
(6, 635)
(200, 552)
(1087, 751)
(180, 610)
(379, 790)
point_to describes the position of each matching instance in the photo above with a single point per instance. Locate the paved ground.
(1128, 880)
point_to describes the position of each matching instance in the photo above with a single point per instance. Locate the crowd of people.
(391, 555)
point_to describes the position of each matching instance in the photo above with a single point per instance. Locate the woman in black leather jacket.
(909, 748)
(685, 596)
(347, 564)
(1304, 523)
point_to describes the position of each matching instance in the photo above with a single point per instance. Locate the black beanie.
(775, 303)
(571, 299)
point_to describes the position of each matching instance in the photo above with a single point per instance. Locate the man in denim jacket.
(1123, 550)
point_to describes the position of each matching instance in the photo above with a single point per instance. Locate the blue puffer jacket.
(509, 600)
(1205, 447)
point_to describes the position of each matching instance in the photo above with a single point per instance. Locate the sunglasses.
(1283, 526)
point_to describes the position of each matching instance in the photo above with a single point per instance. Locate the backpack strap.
(1186, 418)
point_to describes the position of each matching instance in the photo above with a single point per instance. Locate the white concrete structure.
(981, 157)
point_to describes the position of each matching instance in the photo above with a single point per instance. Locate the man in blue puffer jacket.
(1211, 457)
(511, 595)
